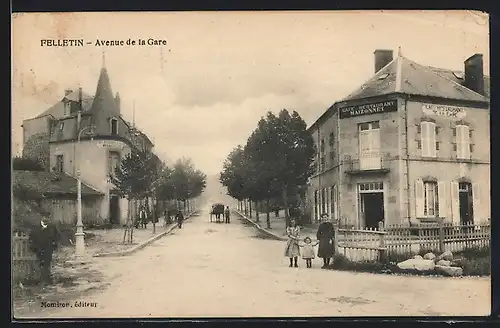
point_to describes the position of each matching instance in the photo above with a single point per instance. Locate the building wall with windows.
(412, 145)
(449, 158)
(370, 145)
(95, 159)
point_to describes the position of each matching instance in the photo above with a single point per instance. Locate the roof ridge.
(372, 78)
(448, 79)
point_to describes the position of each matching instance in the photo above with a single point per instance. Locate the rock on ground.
(429, 256)
(447, 255)
(449, 270)
(443, 263)
(417, 264)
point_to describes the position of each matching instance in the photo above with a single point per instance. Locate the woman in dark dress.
(325, 235)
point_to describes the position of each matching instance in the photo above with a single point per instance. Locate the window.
(462, 135)
(322, 162)
(428, 139)
(114, 126)
(369, 145)
(331, 139)
(61, 126)
(59, 163)
(67, 108)
(113, 162)
(322, 149)
(332, 155)
(431, 199)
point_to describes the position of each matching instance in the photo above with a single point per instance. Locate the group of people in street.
(325, 241)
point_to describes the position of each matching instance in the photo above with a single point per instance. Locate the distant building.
(411, 145)
(52, 136)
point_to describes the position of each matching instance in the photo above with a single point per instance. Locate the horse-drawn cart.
(218, 211)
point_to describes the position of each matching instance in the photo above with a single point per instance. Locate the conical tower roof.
(104, 99)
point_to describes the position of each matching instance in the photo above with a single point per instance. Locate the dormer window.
(114, 126)
(67, 108)
(383, 76)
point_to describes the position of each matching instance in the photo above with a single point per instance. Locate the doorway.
(371, 203)
(114, 209)
(465, 201)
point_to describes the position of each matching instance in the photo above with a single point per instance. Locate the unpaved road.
(220, 270)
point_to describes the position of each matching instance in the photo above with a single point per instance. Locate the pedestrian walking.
(43, 241)
(292, 250)
(227, 214)
(308, 251)
(180, 218)
(325, 236)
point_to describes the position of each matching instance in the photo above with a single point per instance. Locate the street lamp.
(80, 235)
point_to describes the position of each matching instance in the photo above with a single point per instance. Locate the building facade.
(86, 135)
(411, 145)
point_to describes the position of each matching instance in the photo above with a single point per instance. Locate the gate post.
(441, 235)
(382, 251)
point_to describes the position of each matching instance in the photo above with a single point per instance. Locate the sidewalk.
(278, 225)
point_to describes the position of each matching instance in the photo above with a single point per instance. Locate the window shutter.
(419, 198)
(466, 142)
(424, 138)
(455, 207)
(478, 213)
(443, 200)
(432, 140)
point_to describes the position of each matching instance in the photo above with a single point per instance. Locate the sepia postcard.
(250, 164)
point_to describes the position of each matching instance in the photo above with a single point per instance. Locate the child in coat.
(308, 251)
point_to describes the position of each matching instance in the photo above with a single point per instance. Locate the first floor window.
(59, 163)
(430, 199)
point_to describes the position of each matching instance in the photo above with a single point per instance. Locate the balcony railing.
(368, 162)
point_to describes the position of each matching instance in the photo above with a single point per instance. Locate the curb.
(144, 244)
(256, 225)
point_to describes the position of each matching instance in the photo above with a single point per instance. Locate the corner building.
(411, 145)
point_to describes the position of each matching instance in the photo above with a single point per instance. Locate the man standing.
(179, 217)
(43, 241)
(227, 214)
(326, 235)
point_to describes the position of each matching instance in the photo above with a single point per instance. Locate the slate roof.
(45, 183)
(403, 75)
(57, 110)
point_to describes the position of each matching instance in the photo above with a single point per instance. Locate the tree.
(278, 159)
(233, 174)
(26, 164)
(134, 179)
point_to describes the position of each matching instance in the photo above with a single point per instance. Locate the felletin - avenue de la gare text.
(101, 43)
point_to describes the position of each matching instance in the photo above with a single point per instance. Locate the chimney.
(67, 92)
(382, 58)
(117, 101)
(474, 75)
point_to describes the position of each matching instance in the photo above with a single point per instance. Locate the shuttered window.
(463, 141)
(428, 199)
(428, 139)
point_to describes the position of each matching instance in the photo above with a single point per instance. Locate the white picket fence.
(372, 244)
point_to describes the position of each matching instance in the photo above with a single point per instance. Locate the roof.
(45, 183)
(403, 75)
(57, 110)
(104, 98)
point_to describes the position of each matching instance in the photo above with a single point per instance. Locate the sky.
(203, 93)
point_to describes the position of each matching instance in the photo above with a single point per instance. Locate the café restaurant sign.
(444, 110)
(367, 109)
